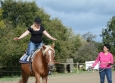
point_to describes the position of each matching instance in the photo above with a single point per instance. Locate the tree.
(2, 25)
(19, 12)
(108, 34)
(88, 50)
(65, 45)
(89, 37)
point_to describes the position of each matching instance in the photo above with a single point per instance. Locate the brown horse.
(42, 60)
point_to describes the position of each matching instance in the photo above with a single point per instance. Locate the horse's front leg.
(37, 76)
(20, 81)
(24, 77)
(44, 79)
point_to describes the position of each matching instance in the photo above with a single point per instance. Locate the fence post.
(65, 68)
(77, 67)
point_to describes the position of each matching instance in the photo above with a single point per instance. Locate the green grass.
(9, 78)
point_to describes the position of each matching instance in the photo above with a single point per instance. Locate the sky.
(81, 15)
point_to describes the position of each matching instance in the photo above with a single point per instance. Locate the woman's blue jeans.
(108, 73)
(31, 48)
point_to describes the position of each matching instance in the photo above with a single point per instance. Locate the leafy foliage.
(89, 37)
(108, 34)
(19, 12)
(2, 25)
(87, 52)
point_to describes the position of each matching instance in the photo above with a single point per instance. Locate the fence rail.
(60, 68)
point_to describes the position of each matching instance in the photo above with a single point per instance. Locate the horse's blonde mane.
(44, 51)
(47, 47)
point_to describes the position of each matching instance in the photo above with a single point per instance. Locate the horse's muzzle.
(50, 67)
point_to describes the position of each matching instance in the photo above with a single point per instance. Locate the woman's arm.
(96, 61)
(48, 35)
(23, 35)
(111, 60)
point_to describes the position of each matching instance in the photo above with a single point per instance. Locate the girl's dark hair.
(107, 46)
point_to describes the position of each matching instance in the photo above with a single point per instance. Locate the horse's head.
(49, 53)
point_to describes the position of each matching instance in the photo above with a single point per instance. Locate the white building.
(89, 63)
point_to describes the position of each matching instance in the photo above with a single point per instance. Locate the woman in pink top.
(106, 60)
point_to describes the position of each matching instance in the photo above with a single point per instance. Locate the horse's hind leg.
(24, 78)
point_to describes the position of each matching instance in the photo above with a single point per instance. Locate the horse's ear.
(43, 46)
(53, 45)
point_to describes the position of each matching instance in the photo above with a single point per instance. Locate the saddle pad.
(31, 56)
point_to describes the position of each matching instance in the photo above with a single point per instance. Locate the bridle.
(44, 51)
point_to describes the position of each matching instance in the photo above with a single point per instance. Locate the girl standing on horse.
(36, 31)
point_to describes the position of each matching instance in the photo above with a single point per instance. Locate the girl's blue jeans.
(108, 73)
(31, 48)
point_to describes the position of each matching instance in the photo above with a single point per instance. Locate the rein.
(105, 68)
(102, 70)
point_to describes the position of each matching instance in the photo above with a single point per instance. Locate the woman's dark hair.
(107, 46)
(37, 20)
